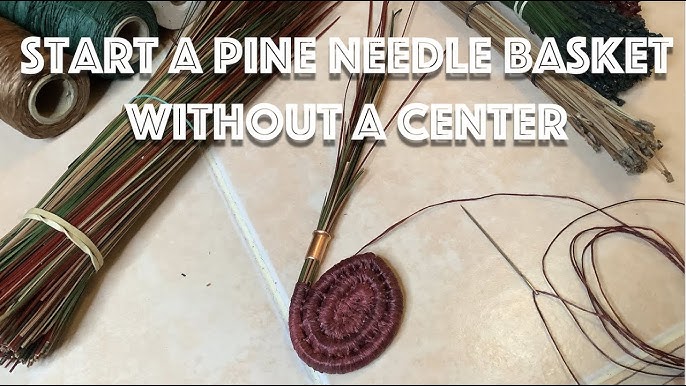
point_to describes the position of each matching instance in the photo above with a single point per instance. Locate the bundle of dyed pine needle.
(631, 142)
(348, 317)
(43, 273)
(563, 20)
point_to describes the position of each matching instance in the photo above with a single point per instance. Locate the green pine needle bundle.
(564, 20)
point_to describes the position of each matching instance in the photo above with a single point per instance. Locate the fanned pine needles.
(351, 153)
(349, 316)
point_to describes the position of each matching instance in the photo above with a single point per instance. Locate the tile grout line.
(257, 251)
(667, 340)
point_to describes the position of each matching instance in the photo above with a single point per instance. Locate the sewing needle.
(521, 275)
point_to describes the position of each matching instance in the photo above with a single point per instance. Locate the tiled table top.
(198, 294)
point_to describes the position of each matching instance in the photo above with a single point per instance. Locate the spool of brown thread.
(43, 105)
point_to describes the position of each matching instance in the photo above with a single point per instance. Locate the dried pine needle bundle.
(564, 20)
(43, 273)
(631, 142)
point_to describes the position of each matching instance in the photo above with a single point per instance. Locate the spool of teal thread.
(77, 19)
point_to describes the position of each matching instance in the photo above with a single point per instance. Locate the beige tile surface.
(646, 379)
(242, 222)
(468, 317)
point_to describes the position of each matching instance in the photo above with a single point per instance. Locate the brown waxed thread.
(43, 105)
(616, 328)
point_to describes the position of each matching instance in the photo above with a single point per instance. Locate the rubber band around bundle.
(519, 11)
(74, 234)
(470, 9)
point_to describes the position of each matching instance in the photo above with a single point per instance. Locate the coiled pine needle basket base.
(348, 317)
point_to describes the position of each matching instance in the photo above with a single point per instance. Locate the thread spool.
(78, 19)
(129, 28)
(174, 15)
(43, 105)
